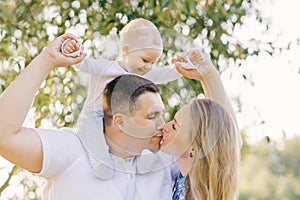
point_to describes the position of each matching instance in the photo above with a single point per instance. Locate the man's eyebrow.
(157, 112)
(154, 112)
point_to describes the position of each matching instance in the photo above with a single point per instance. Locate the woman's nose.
(165, 128)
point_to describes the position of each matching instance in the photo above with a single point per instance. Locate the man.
(133, 122)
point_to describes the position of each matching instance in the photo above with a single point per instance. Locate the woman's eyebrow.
(176, 122)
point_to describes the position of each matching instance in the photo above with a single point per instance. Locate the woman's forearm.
(214, 89)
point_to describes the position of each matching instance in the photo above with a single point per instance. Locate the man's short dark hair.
(120, 95)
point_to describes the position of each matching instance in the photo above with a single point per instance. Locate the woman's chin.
(162, 144)
(165, 148)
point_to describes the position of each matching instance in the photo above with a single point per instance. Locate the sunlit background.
(271, 102)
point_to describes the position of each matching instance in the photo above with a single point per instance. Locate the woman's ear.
(118, 120)
(191, 151)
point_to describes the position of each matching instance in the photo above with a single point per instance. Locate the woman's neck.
(185, 163)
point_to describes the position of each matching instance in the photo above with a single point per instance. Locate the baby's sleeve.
(93, 66)
(163, 74)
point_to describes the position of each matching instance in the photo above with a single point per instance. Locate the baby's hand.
(53, 56)
(196, 57)
(201, 62)
(184, 61)
(71, 48)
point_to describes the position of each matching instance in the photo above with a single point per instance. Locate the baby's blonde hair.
(138, 30)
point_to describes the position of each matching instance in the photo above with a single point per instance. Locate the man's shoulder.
(66, 131)
(61, 148)
(62, 135)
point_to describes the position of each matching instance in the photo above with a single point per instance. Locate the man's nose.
(160, 123)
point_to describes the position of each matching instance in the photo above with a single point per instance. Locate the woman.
(204, 137)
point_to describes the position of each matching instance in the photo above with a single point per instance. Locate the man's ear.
(118, 120)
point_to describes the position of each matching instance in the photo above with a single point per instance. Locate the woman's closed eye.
(174, 127)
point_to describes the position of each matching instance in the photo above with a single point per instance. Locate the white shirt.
(68, 174)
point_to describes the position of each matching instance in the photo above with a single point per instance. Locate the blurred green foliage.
(271, 170)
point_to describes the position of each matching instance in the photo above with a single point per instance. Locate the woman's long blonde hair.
(215, 172)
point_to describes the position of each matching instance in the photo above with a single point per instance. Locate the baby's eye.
(145, 60)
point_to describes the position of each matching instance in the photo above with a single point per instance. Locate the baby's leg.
(90, 131)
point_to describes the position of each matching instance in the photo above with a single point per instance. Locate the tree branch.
(6, 183)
